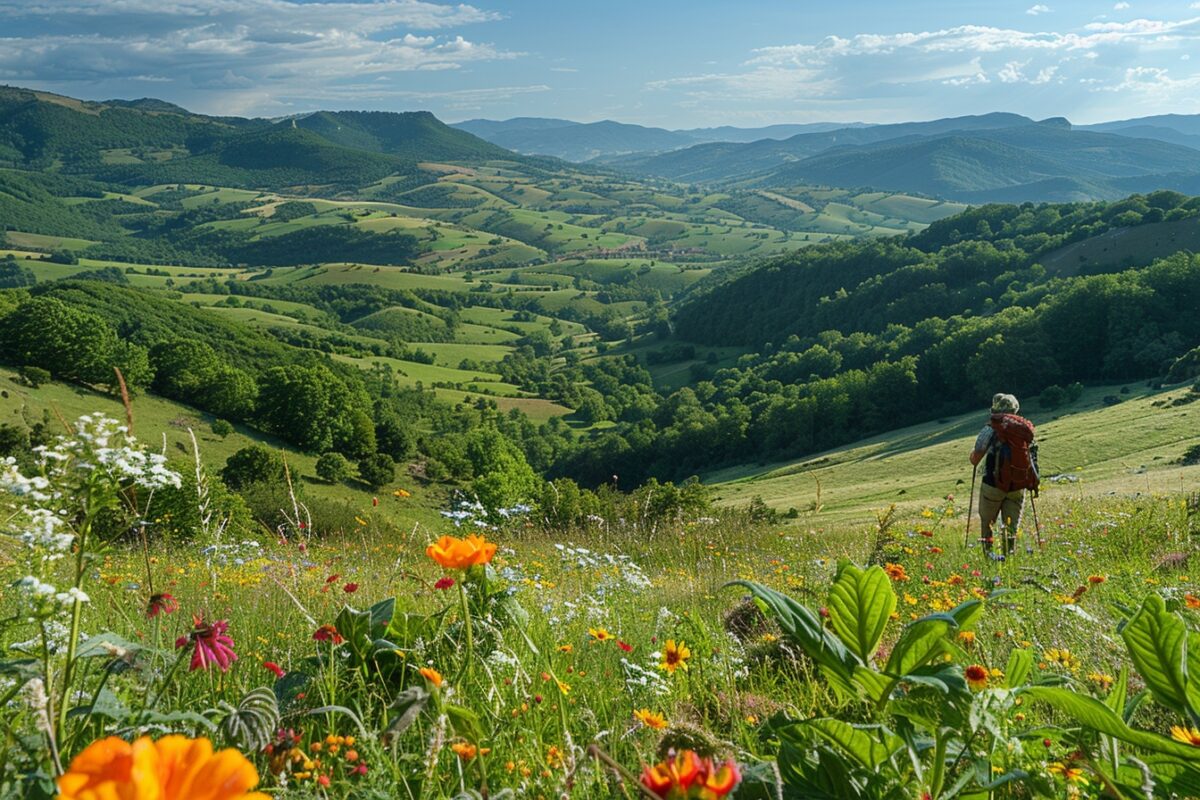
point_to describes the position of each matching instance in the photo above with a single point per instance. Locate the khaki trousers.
(995, 503)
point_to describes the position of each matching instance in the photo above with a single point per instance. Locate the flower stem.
(464, 669)
(76, 618)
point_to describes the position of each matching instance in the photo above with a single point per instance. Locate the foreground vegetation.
(560, 661)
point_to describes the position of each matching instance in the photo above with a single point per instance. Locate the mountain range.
(586, 141)
(998, 157)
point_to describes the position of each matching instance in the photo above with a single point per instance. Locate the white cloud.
(277, 48)
(1033, 11)
(873, 70)
(1120, 6)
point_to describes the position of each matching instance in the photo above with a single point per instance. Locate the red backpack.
(1015, 467)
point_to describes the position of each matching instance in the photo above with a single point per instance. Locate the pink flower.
(273, 667)
(444, 583)
(161, 604)
(212, 644)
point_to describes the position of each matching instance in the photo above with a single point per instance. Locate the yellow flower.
(967, 638)
(173, 768)
(599, 634)
(1189, 736)
(1101, 679)
(1068, 773)
(977, 677)
(675, 656)
(432, 675)
(454, 553)
(650, 719)
(1062, 657)
(563, 687)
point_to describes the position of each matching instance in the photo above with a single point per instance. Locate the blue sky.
(656, 62)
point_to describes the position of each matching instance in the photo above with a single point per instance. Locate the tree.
(222, 428)
(393, 436)
(333, 467)
(377, 470)
(253, 464)
(69, 342)
(503, 477)
(316, 409)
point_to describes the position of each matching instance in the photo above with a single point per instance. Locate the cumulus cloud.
(1033, 11)
(873, 70)
(1120, 6)
(269, 49)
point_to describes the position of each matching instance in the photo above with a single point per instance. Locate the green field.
(1127, 448)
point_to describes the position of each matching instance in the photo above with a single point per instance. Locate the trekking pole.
(970, 505)
(1037, 526)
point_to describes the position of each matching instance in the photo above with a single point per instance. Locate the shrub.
(222, 427)
(34, 377)
(377, 470)
(253, 464)
(333, 467)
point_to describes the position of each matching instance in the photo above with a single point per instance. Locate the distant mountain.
(727, 161)
(602, 141)
(149, 141)
(1038, 162)
(1188, 124)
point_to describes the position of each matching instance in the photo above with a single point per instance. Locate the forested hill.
(850, 340)
(146, 142)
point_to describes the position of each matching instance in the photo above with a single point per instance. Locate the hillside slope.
(1131, 447)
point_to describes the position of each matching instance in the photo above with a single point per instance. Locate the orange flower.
(467, 751)
(1186, 735)
(455, 553)
(977, 677)
(685, 774)
(432, 675)
(675, 656)
(1191, 601)
(173, 768)
(896, 572)
(1097, 579)
(650, 719)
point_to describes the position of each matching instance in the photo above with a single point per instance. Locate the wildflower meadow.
(706, 658)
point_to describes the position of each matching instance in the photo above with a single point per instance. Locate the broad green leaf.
(362, 729)
(869, 749)
(466, 722)
(921, 642)
(1019, 667)
(760, 781)
(1119, 692)
(254, 720)
(381, 616)
(1157, 643)
(289, 688)
(967, 613)
(804, 628)
(1091, 713)
(860, 604)
(106, 704)
(872, 682)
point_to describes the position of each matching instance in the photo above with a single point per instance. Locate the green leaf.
(289, 688)
(381, 617)
(804, 628)
(860, 604)
(106, 645)
(253, 722)
(760, 781)
(408, 706)
(1091, 713)
(106, 704)
(869, 751)
(1119, 693)
(172, 719)
(967, 613)
(1157, 643)
(355, 628)
(921, 642)
(465, 722)
(362, 729)
(875, 684)
(1019, 667)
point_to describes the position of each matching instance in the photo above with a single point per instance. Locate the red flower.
(161, 604)
(374, 501)
(350, 588)
(212, 644)
(332, 578)
(278, 670)
(327, 633)
(444, 583)
(628, 648)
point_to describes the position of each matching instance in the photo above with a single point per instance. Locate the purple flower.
(212, 644)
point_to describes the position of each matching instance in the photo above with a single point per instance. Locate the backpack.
(1016, 454)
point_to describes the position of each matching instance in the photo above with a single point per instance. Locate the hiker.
(1007, 443)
